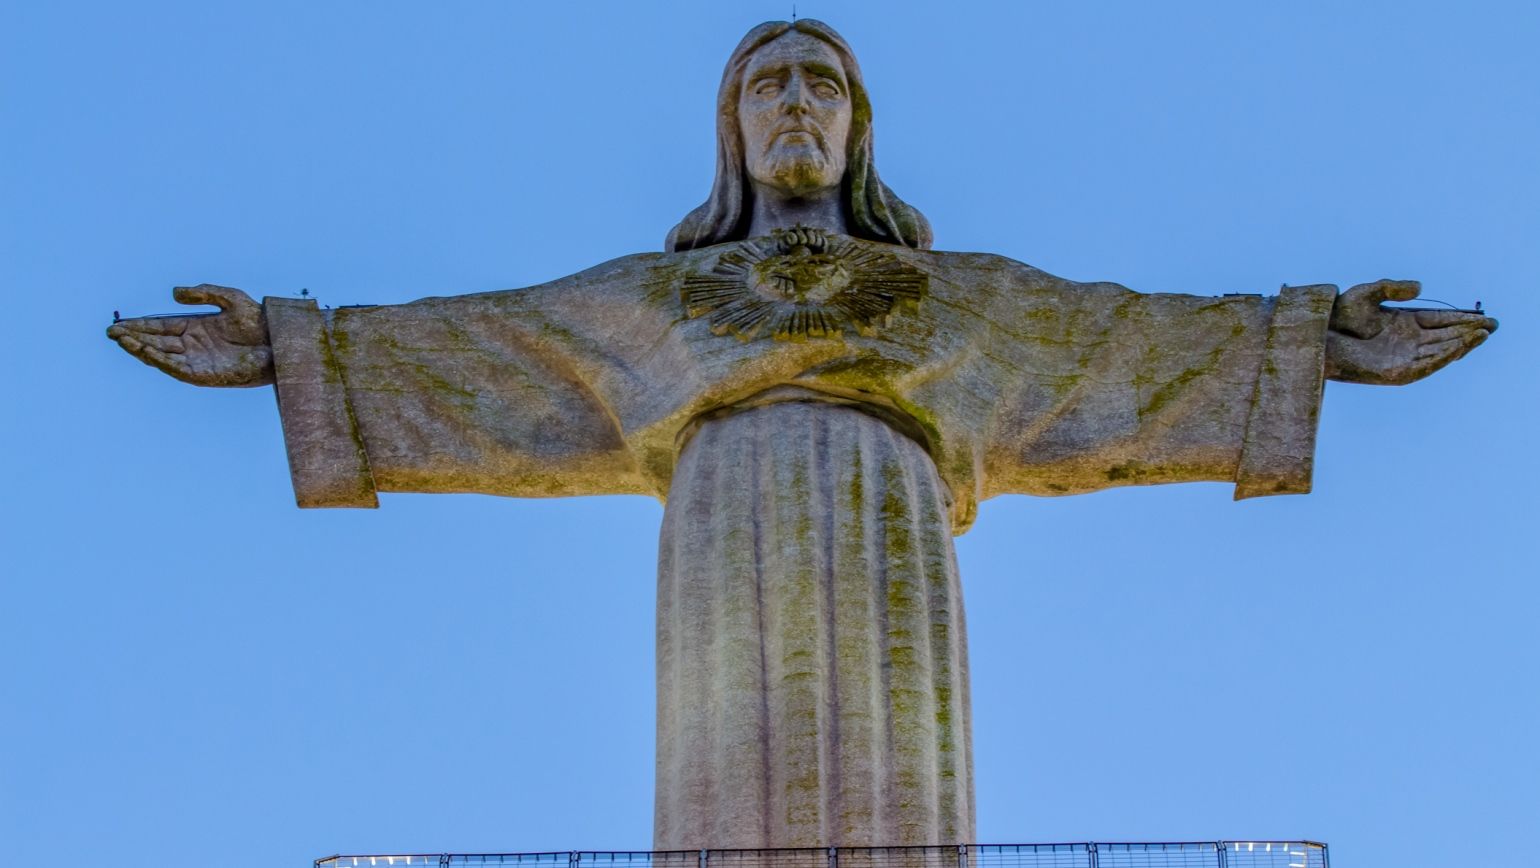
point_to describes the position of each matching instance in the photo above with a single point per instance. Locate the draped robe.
(812, 663)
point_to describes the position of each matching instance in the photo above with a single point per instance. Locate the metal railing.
(1190, 854)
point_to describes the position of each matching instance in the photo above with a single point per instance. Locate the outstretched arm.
(497, 393)
(1110, 387)
(1116, 388)
(1383, 346)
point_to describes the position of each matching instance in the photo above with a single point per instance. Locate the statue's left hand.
(1384, 346)
(228, 348)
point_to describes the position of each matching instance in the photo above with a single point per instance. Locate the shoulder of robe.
(993, 268)
(625, 277)
(998, 286)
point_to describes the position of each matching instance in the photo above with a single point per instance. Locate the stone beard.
(822, 402)
(805, 171)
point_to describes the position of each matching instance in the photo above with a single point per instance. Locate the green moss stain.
(1173, 387)
(437, 386)
(340, 341)
(857, 493)
(1128, 470)
(944, 715)
(797, 614)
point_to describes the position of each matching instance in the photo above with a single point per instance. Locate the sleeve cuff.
(327, 460)
(1278, 454)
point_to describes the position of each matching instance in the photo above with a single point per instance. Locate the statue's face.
(794, 113)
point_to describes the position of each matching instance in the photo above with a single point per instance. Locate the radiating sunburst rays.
(801, 283)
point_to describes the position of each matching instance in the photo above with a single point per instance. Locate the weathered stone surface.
(1016, 381)
(1279, 451)
(326, 457)
(822, 401)
(812, 661)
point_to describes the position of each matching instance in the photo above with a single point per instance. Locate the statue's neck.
(774, 209)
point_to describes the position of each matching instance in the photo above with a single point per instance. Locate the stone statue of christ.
(822, 402)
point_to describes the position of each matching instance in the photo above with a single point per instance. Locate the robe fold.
(806, 561)
(812, 674)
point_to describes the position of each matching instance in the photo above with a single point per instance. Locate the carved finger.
(1429, 337)
(1452, 348)
(172, 365)
(150, 325)
(1430, 359)
(164, 343)
(1433, 351)
(222, 297)
(1397, 290)
(1357, 311)
(166, 362)
(1432, 319)
(1384, 290)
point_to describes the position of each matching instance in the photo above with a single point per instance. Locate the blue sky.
(197, 670)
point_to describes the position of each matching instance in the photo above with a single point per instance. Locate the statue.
(822, 402)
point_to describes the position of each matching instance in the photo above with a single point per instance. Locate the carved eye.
(767, 86)
(826, 89)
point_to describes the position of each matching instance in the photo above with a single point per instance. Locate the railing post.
(1090, 855)
(1223, 850)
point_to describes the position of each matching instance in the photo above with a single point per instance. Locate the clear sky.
(197, 672)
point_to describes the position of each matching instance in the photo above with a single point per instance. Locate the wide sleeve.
(1101, 386)
(489, 393)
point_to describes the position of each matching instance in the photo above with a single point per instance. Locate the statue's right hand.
(228, 348)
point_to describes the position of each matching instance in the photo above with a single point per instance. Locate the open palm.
(228, 348)
(1385, 346)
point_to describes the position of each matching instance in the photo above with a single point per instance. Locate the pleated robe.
(812, 662)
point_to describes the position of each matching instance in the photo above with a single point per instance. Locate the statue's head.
(793, 115)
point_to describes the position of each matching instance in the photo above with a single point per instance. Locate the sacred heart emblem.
(801, 283)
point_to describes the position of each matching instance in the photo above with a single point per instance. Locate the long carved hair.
(871, 209)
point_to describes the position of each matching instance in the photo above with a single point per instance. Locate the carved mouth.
(812, 135)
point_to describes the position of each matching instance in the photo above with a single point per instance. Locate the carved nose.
(793, 97)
